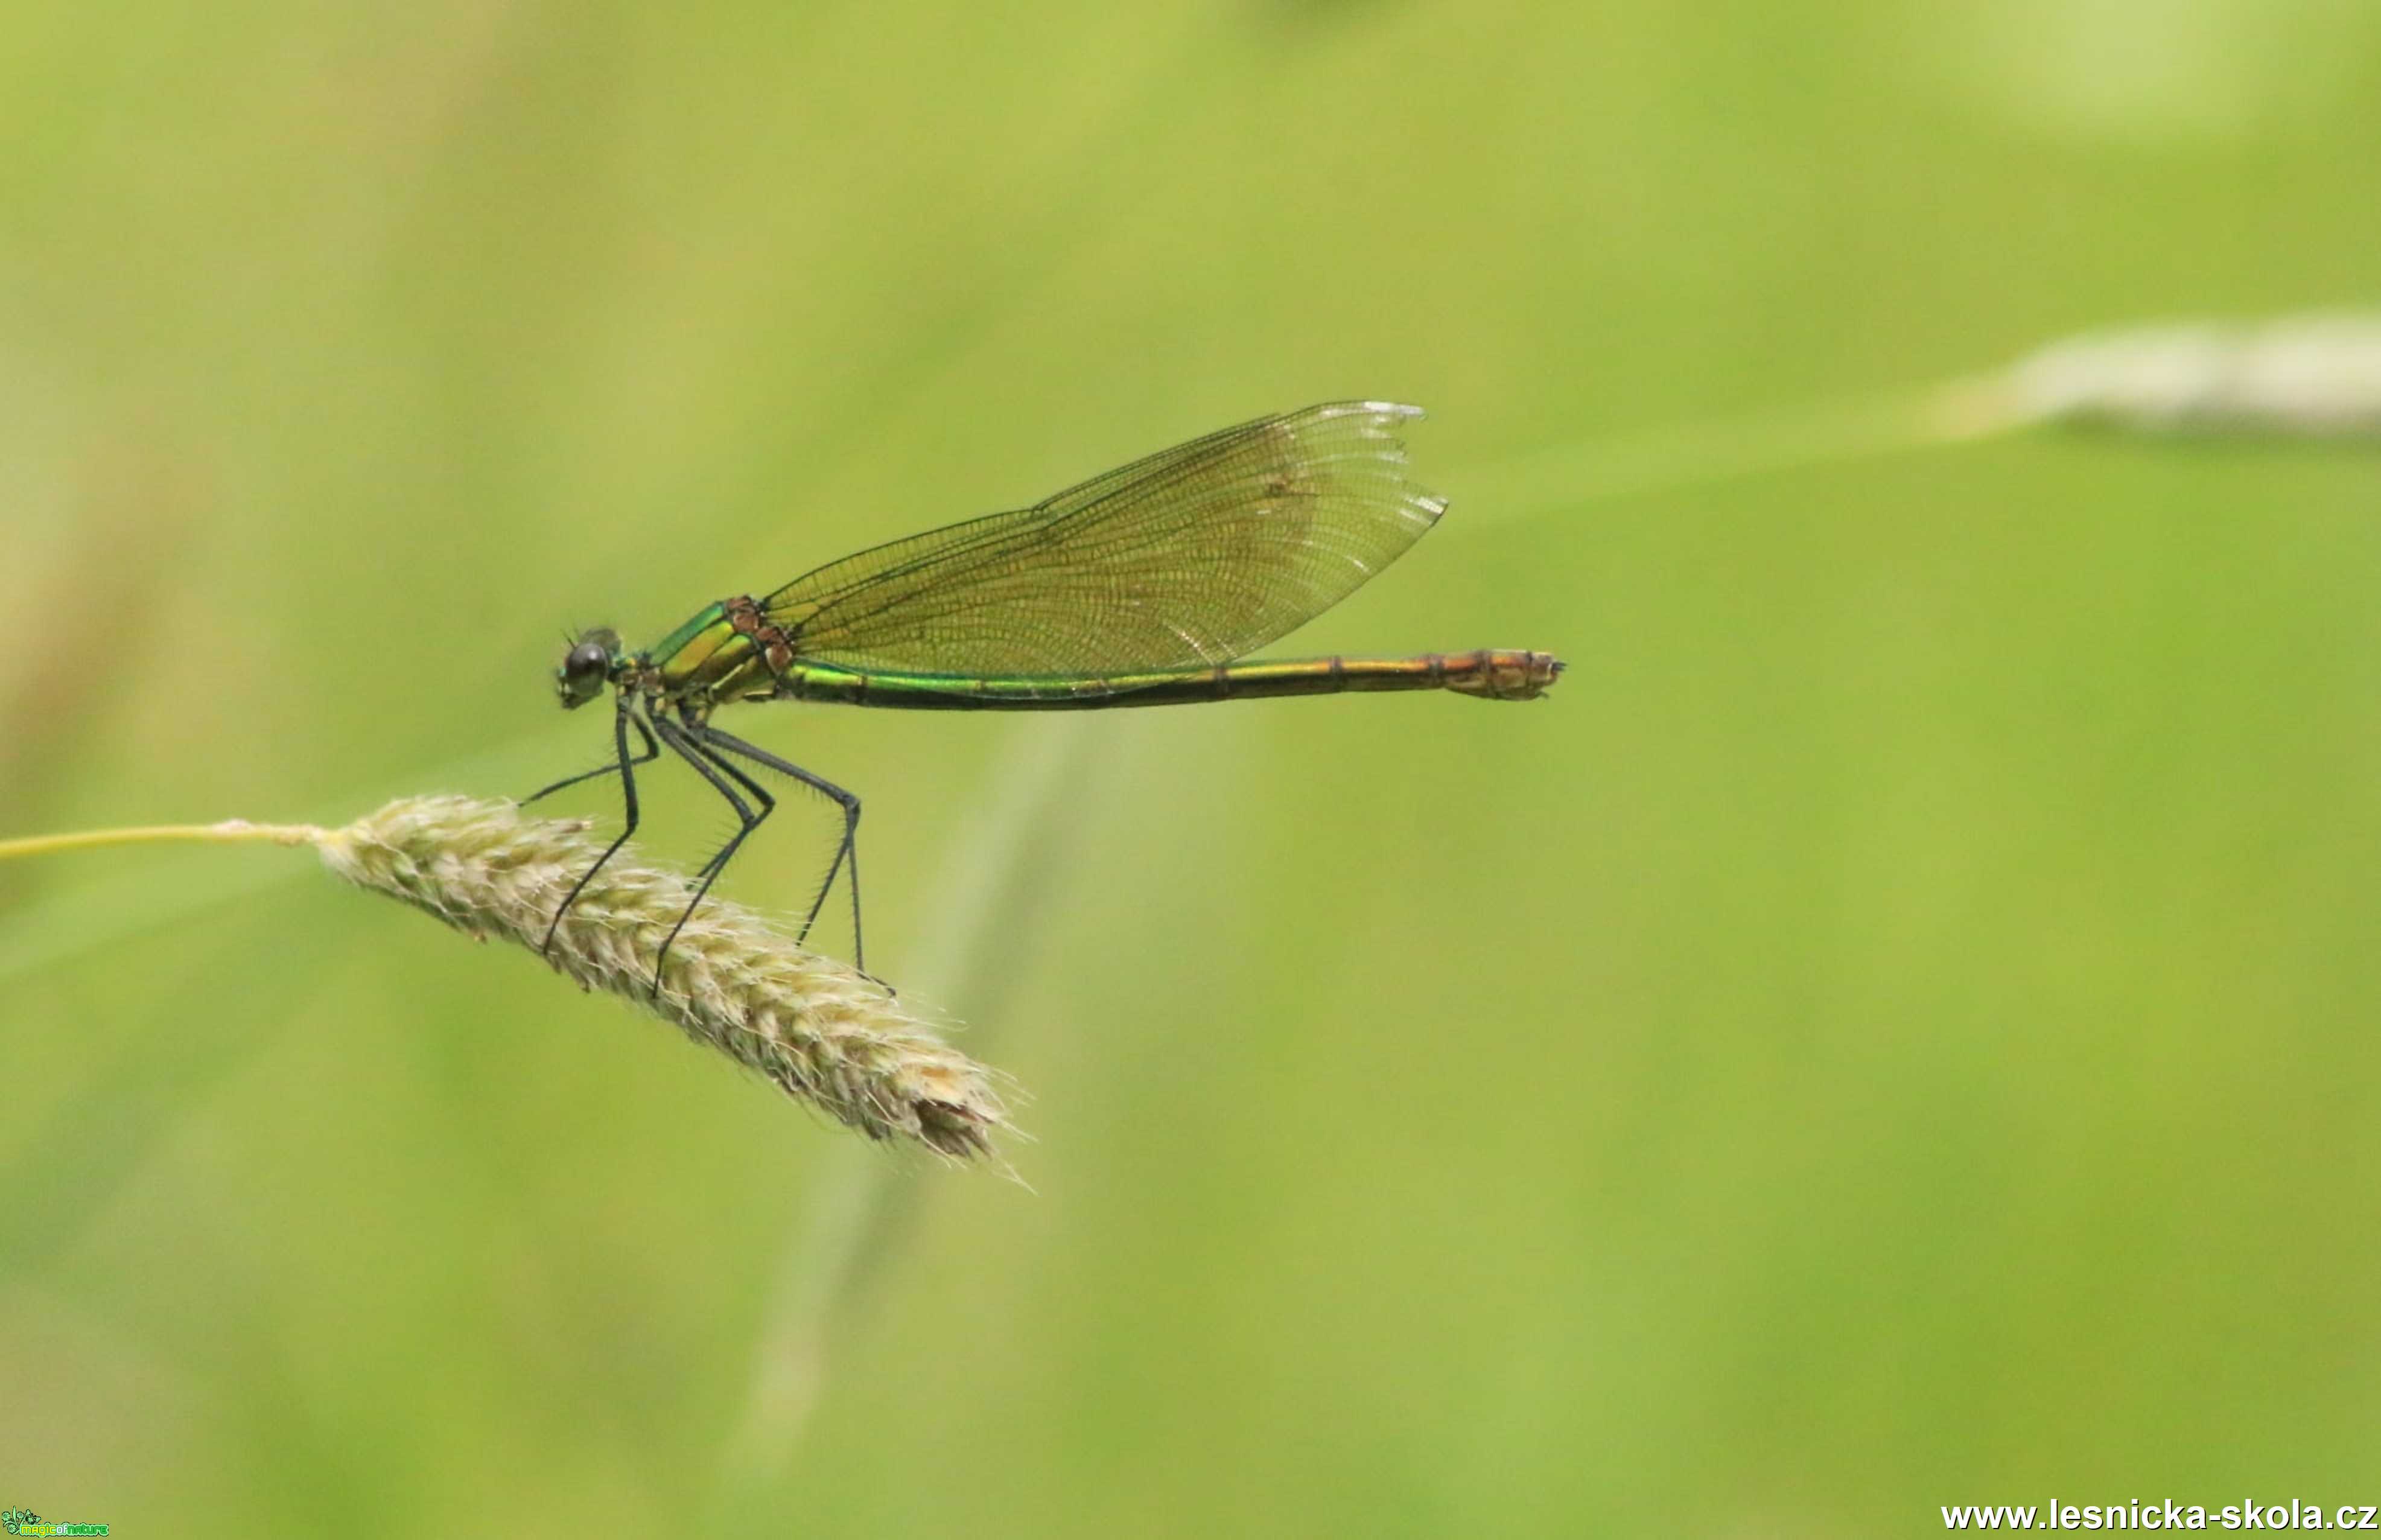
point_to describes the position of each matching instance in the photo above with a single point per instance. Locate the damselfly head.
(588, 667)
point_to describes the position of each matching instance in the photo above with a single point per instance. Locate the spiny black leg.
(653, 751)
(620, 721)
(746, 822)
(718, 862)
(720, 741)
(849, 851)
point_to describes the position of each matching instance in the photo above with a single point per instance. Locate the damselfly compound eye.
(584, 670)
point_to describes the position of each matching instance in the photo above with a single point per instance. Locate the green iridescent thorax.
(707, 657)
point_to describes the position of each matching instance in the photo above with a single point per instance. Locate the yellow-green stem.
(230, 831)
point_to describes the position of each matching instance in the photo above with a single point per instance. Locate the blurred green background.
(1896, 1028)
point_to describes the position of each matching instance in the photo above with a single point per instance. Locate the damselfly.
(1142, 587)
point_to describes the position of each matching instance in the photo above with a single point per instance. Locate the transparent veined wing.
(1199, 554)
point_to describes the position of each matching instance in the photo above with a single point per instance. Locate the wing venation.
(1200, 554)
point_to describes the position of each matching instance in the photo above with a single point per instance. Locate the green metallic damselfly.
(1142, 587)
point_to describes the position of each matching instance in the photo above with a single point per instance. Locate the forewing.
(1197, 555)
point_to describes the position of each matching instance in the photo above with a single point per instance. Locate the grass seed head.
(2306, 376)
(826, 1035)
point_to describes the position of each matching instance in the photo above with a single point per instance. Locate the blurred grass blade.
(1656, 461)
(856, 1209)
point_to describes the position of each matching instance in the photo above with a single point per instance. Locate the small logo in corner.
(19, 1520)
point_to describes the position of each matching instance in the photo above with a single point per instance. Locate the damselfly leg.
(847, 854)
(625, 765)
(719, 777)
(610, 768)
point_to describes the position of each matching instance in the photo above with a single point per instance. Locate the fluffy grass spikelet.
(824, 1033)
(2303, 376)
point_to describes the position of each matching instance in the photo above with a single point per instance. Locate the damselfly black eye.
(584, 670)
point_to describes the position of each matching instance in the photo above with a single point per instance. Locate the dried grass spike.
(822, 1033)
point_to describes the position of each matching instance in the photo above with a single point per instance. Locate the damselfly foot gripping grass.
(1145, 586)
